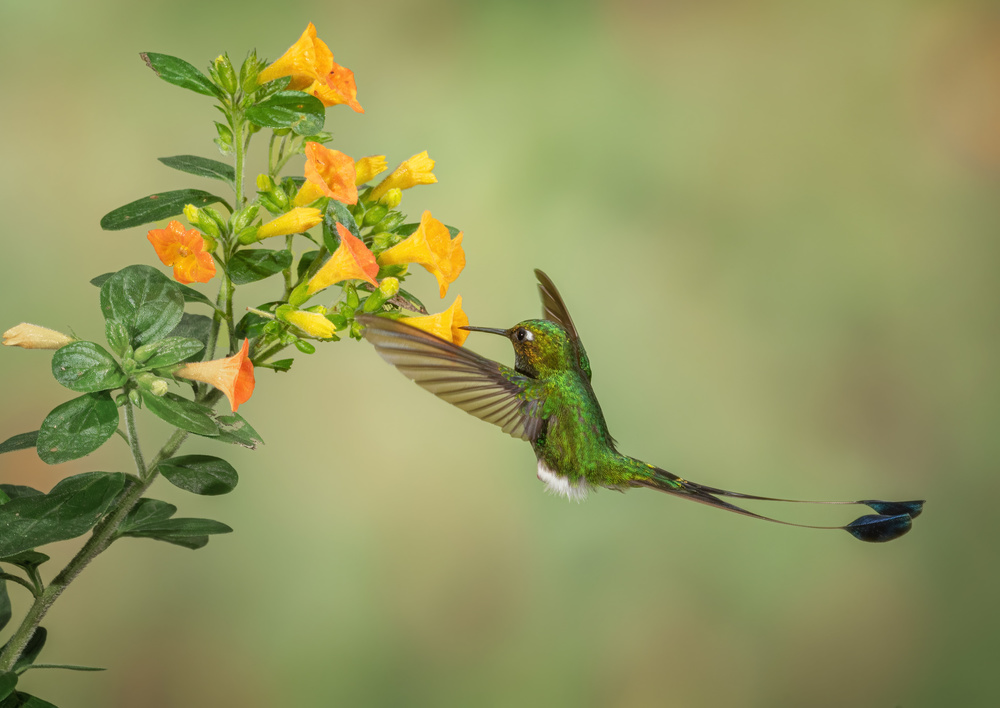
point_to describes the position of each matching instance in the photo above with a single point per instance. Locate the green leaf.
(72, 508)
(236, 430)
(197, 327)
(14, 491)
(303, 113)
(178, 72)
(189, 533)
(201, 474)
(86, 367)
(182, 413)
(170, 350)
(281, 364)
(255, 264)
(24, 700)
(32, 649)
(156, 207)
(5, 614)
(144, 300)
(192, 295)
(117, 335)
(77, 428)
(68, 667)
(27, 559)
(201, 166)
(8, 680)
(147, 511)
(336, 213)
(19, 442)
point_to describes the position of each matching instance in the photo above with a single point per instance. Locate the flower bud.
(299, 295)
(351, 296)
(248, 72)
(247, 235)
(243, 217)
(384, 240)
(200, 219)
(152, 383)
(29, 336)
(374, 215)
(265, 183)
(387, 289)
(391, 198)
(225, 139)
(391, 221)
(224, 74)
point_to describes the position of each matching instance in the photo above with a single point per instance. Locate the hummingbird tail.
(891, 520)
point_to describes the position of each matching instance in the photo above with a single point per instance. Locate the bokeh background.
(776, 226)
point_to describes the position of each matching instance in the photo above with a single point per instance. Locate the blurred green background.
(775, 224)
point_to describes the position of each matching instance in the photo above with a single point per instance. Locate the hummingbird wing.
(480, 386)
(555, 310)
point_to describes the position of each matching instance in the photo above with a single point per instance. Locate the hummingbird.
(547, 399)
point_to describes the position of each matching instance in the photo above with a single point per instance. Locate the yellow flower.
(328, 173)
(446, 325)
(232, 375)
(185, 251)
(297, 221)
(416, 170)
(368, 167)
(432, 247)
(310, 64)
(351, 261)
(305, 61)
(29, 336)
(312, 323)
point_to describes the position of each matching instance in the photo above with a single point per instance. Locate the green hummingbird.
(547, 399)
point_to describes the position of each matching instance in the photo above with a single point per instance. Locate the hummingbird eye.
(523, 335)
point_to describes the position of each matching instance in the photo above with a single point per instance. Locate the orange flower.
(297, 221)
(185, 251)
(410, 173)
(329, 173)
(432, 246)
(29, 336)
(446, 325)
(310, 64)
(351, 261)
(232, 375)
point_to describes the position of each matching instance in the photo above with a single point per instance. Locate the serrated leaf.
(303, 113)
(236, 430)
(201, 166)
(145, 301)
(178, 72)
(70, 509)
(156, 207)
(86, 367)
(182, 413)
(77, 428)
(171, 350)
(254, 264)
(19, 442)
(200, 474)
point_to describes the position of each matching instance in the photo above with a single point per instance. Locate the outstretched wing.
(488, 390)
(555, 310)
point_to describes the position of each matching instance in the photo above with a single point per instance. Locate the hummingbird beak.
(491, 330)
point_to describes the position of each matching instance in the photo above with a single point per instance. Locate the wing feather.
(484, 388)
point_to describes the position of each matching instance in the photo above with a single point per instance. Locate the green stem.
(133, 439)
(20, 581)
(100, 539)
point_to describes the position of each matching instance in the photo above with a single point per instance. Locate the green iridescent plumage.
(547, 399)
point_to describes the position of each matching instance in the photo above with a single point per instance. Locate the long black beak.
(491, 330)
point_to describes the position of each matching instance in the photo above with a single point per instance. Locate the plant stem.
(20, 581)
(100, 539)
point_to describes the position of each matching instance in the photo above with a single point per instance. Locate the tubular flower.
(297, 221)
(416, 170)
(367, 168)
(446, 325)
(185, 251)
(351, 261)
(312, 323)
(329, 173)
(432, 247)
(310, 64)
(29, 336)
(232, 375)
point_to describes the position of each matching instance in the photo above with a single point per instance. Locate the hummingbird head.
(540, 346)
